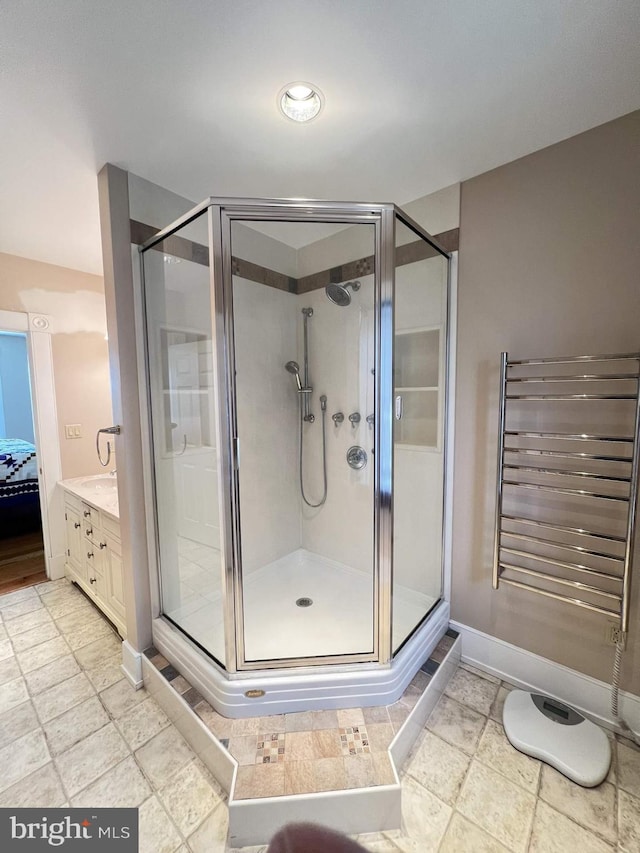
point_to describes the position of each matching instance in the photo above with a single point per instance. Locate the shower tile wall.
(341, 356)
(267, 410)
(268, 333)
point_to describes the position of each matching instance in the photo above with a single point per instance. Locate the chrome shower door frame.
(222, 214)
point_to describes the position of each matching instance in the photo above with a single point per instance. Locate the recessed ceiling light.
(300, 101)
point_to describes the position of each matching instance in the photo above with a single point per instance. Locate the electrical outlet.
(614, 634)
(73, 431)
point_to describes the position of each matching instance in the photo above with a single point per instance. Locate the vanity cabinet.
(94, 557)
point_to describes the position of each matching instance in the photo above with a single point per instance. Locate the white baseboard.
(132, 665)
(532, 672)
(55, 567)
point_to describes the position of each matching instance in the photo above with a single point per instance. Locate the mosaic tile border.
(409, 253)
(309, 752)
(270, 748)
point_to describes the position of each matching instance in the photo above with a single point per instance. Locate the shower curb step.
(253, 819)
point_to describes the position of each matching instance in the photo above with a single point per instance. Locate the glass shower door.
(304, 353)
(186, 459)
(420, 318)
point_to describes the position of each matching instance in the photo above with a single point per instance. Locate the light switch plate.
(73, 430)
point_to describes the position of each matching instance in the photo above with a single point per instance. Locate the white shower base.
(340, 620)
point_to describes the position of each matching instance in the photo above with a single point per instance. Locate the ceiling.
(419, 94)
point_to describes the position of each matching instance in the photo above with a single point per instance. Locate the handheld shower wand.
(294, 368)
(303, 395)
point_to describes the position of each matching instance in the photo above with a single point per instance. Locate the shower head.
(339, 294)
(294, 368)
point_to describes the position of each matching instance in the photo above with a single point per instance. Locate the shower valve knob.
(356, 457)
(337, 418)
(370, 420)
(354, 417)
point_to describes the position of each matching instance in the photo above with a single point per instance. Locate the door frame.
(37, 328)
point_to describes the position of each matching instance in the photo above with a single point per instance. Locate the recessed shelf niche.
(417, 383)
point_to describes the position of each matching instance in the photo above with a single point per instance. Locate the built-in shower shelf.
(417, 386)
(407, 388)
(185, 391)
(367, 747)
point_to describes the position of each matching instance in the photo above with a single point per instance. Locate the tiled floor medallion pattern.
(311, 751)
(354, 740)
(270, 748)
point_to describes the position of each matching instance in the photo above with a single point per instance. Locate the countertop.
(96, 490)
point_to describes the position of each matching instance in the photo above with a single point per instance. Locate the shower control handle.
(354, 417)
(370, 419)
(337, 418)
(356, 457)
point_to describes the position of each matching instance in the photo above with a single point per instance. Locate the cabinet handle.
(92, 580)
(103, 545)
(87, 513)
(76, 524)
(89, 554)
(89, 531)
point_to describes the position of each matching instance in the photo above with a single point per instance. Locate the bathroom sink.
(100, 485)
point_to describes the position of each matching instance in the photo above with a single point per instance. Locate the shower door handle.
(236, 452)
(398, 407)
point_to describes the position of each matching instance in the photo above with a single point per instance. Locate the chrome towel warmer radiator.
(563, 456)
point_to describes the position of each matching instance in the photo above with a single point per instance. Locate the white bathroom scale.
(557, 734)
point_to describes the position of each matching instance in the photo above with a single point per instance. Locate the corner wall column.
(119, 294)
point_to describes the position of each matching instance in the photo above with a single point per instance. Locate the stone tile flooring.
(320, 750)
(72, 731)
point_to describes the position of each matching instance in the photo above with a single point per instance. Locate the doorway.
(22, 560)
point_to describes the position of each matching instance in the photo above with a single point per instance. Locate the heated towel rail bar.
(562, 458)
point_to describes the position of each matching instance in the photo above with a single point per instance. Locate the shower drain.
(304, 602)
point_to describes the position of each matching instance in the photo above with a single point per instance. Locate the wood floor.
(21, 562)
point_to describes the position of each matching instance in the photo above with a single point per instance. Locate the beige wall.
(75, 303)
(549, 266)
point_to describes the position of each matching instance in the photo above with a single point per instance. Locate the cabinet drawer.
(93, 558)
(73, 503)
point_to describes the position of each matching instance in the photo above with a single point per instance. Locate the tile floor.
(72, 731)
(309, 751)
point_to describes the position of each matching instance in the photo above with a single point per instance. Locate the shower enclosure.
(296, 355)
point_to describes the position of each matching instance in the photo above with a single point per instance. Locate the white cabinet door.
(114, 579)
(75, 545)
